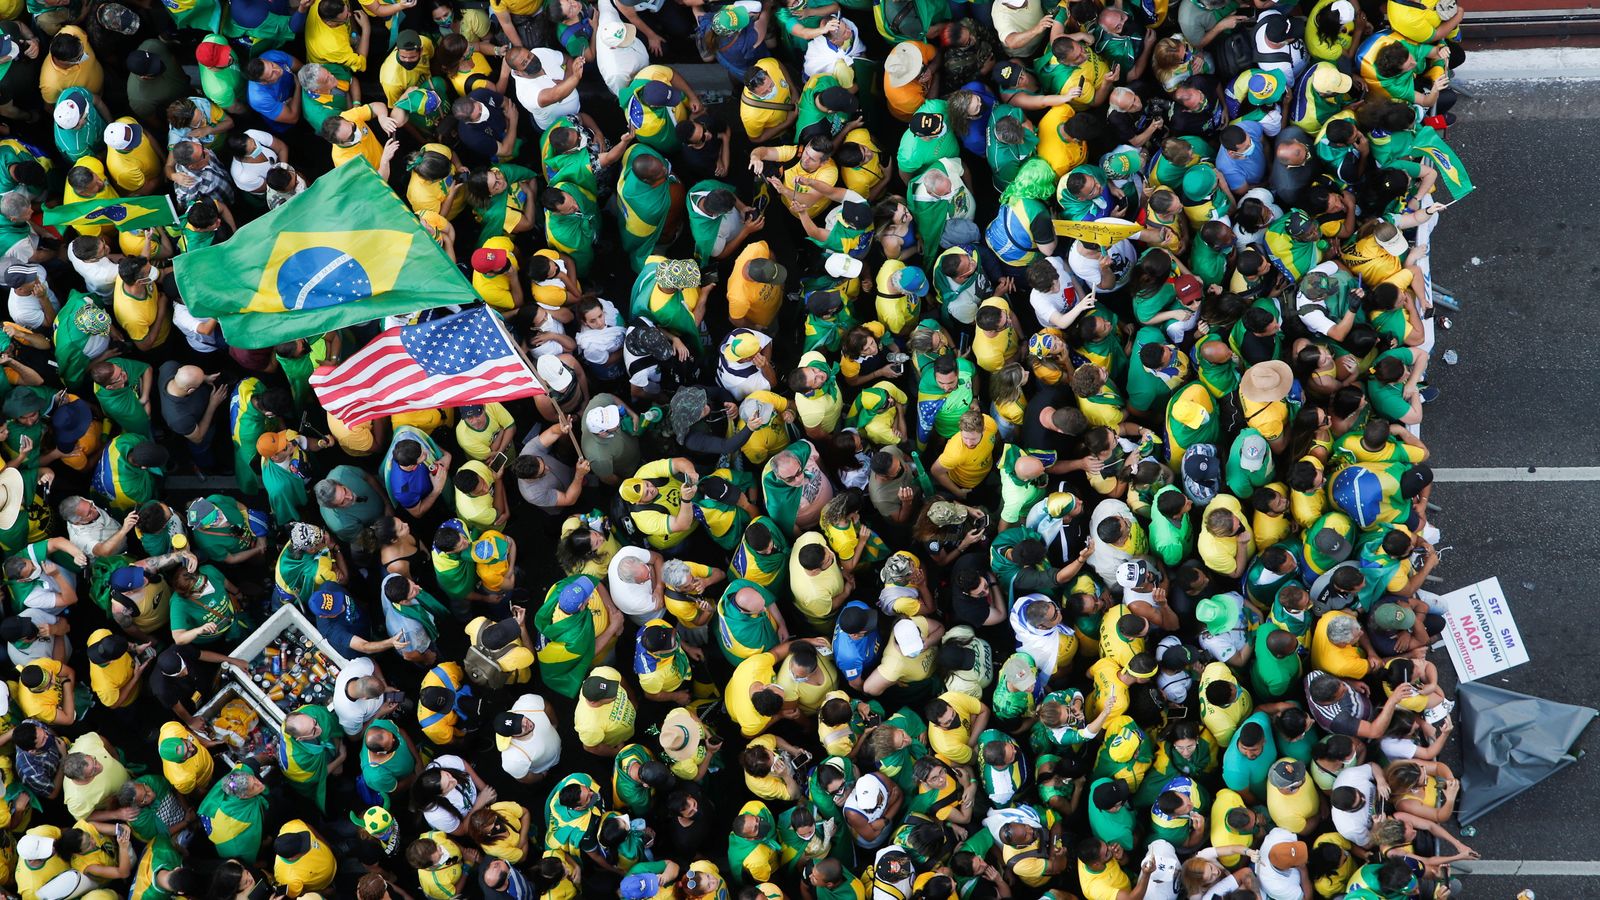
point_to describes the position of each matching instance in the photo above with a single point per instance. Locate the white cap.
(121, 136)
(1345, 10)
(615, 37)
(868, 795)
(554, 372)
(908, 637)
(1130, 573)
(903, 65)
(602, 418)
(842, 265)
(1396, 246)
(69, 113)
(36, 846)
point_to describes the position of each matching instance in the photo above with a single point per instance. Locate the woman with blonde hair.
(1176, 61)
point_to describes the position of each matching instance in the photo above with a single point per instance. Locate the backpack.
(483, 666)
(1234, 53)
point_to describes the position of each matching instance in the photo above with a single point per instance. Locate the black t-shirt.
(688, 842)
(479, 140)
(698, 163)
(1035, 436)
(182, 414)
(187, 690)
(968, 609)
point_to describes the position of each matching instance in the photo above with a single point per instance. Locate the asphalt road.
(1518, 253)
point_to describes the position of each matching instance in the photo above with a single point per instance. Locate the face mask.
(408, 65)
(444, 23)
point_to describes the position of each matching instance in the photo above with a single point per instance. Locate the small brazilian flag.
(345, 251)
(123, 212)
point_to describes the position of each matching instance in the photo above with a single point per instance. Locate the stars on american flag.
(454, 344)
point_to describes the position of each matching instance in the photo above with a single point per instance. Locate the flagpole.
(561, 415)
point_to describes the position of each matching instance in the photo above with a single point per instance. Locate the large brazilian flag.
(345, 251)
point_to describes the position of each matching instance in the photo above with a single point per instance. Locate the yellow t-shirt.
(865, 178)
(138, 315)
(328, 43)
(1061, 152)
(769, 786)
(1293, 811)
(87, 74)
(1109, 691)
(496, 289)
(1345, 662)
(609, 723)
(950, 744)
(475, 443)
(1105, 884)
(43, 704)
(757, 119)
(132, 169)
(1375, 265)
(1221, 835)
(397, 79)
(108, 680)
(313, 871)
(810, 695)
(969, 466)
(813, 594)
(992, 352)
(365, 145)
(748, 299)
(762, 668)
(902, 669)
(827, 173)
(478, 510)
(194, 773)
(1218, 553)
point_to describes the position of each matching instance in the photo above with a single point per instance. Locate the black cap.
(927, 124)
(290, 846)
(1176, 657)
(856, 213)
(170, 662)
(1110, 794)
(108, 649)
(824, 303)
(597, 688)
(145, 63)
(408, 40)
(509, 724)
(837, 99)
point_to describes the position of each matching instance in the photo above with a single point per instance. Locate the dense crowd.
(976, 455)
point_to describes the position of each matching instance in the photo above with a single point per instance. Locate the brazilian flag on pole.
(123, 212)
(344, 251)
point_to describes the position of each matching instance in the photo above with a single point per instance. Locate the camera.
(1158, 108)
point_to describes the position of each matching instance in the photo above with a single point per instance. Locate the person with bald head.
(189, 402)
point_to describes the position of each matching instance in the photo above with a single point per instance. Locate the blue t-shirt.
(855, 655)
(269, 99)
(340, 630)
(1252, 169)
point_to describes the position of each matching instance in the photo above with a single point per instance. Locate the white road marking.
(1580, 868)
(1517, 473)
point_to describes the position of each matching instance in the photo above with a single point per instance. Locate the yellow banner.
(1102, 231)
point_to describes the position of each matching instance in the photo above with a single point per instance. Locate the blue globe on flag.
(318, 277)
(1358, 491)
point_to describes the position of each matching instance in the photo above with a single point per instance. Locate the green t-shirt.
(1272, 678)
(1389, 400)
(1111, 827)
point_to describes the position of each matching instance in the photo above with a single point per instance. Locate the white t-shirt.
(1009, 21)
(28, 311)
(1277, 884)
(252, 176)
(597, 344)
(538, 751)
(636, 601)
(87, 537)
(822, 56)
(1123, 256)
(528, 89)
(619, 65)
(354, 714)
(1356, 827)
(1311, 315)
(188, 323)
(1049, 304)
(448, 813)
(99, 277)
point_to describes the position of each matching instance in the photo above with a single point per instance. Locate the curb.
(1544, 64)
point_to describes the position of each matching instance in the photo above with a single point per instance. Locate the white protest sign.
(1481, 634)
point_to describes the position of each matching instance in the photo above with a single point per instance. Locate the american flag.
(461, 359)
